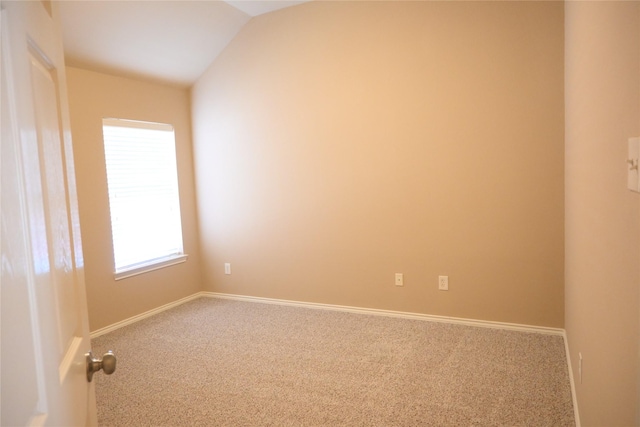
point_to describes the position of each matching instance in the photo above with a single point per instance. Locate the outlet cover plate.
(399, 279)
(633, 165)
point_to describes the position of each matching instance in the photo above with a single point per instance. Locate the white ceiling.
(258, 7)
(170, 41)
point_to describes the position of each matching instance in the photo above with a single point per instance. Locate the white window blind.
(143, 193)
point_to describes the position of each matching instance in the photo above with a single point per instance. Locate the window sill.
(152, 265)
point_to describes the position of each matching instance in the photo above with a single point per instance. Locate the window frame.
(150, 264)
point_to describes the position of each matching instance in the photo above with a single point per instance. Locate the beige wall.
(337, 143)
(93, 96)
(602, 216)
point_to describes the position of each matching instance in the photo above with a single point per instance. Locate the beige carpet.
(214, 362)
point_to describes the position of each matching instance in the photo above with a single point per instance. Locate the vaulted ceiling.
(168, 41)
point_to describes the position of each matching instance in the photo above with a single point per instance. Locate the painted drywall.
(602, 216)
(92, 97)
(339, 143)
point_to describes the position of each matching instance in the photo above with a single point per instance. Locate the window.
(143, 195)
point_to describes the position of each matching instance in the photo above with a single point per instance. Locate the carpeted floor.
(214, 362)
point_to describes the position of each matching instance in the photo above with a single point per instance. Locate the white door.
(45, 332)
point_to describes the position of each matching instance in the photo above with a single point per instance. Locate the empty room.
(320, 213)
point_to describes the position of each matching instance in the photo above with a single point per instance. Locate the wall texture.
(93, 96)
(602, 216)
(338, 143)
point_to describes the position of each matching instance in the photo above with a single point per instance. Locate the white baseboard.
(390, 313)
(344, 308)
(576, 413)
(141, 316)
(371, 311)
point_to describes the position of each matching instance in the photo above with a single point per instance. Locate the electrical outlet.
(443, 283)
(227, 268)
(633, 161)
(399, 279)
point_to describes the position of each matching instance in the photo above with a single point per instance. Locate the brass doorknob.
(107, 364)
